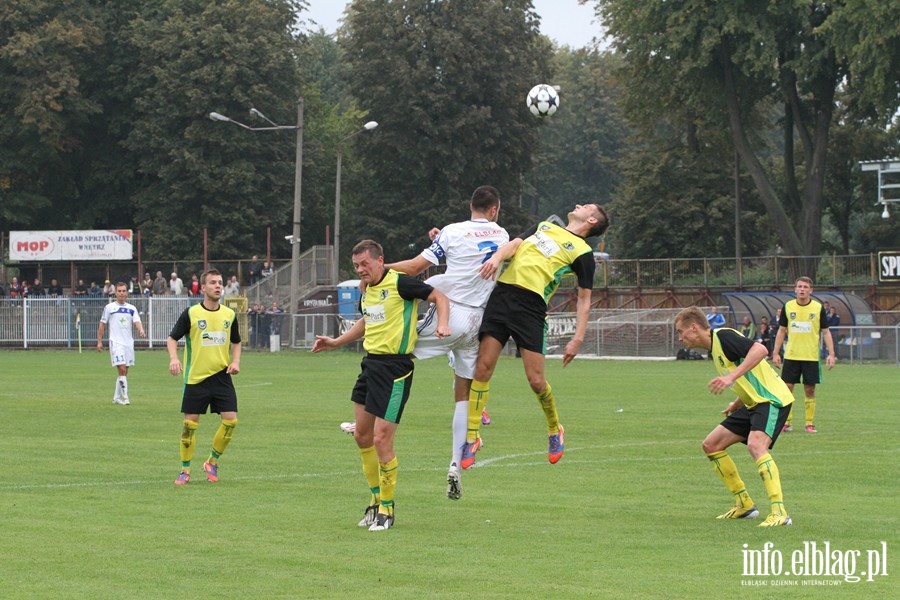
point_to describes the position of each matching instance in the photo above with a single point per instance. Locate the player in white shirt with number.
(465, 246)
(120, 316)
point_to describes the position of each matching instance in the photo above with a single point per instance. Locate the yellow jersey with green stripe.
(803, 322)
(207, 347)
(759, 385)
(390, 308)
(545, 256)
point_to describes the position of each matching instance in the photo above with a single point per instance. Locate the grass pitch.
(629, 512)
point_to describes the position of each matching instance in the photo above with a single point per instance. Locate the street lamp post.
(298, 176)
(335, 255)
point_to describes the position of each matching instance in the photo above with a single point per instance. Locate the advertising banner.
(889, 266)
(112, 244)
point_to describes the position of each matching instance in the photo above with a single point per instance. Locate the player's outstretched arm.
(582, 315)
(323, 342)
(491, 267)
(411, 266)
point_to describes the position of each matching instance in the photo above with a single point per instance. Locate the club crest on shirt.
(201, 324)
(226, 323)
(569, 246)
(383, 294)
(545, 227)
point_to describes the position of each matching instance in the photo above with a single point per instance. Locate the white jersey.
(465, 246)
(119, 319)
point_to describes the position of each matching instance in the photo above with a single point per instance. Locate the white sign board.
(111, 244)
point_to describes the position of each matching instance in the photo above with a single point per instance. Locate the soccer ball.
(542, 100)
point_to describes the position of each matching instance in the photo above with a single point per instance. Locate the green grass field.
(89, 509)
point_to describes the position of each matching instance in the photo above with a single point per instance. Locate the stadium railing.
(71, 322)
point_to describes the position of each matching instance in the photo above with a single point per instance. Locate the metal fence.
(616, 333)
(763, 271)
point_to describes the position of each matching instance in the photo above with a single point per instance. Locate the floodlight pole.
(335, 255)
(295, 240)
(298, 176)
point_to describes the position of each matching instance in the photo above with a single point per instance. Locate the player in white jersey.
(464, 246)
(120, 316)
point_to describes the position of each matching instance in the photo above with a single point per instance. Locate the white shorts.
(121, 354)
(461, 344)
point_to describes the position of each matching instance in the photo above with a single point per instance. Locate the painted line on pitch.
(505, 461)
(250, 385)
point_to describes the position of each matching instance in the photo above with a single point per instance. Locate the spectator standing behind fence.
(233, 288)
(94, 291)
(253, 322)
(81, 289)
(15, 288)
(265, 328)
(109, 290)
(134, 286)
(147, 285)
(254, 269)
(765, 335)
(748, 329)
(55, 290)
(267, 270)
(276, 315)
(194, 286)
(37, 290)
(176, 286)
(834, 321)
(160, 286)
(121, 316)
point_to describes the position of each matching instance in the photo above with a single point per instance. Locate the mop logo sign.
(812, 564)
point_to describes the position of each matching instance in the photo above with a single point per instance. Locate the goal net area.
(622, 334)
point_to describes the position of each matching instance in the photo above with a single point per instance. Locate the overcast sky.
(565, 21)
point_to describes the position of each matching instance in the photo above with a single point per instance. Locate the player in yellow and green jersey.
(212, 354)
(803, 320)
(538, 260)
(389, 308)
(754, 418)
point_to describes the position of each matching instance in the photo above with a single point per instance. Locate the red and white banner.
(111, 244)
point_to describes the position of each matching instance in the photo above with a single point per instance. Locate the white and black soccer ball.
(542, 100)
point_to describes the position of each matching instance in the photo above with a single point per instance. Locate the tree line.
(105, 122)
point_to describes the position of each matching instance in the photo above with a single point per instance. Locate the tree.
(447, 81)
(194, 57)
(739, 61)
(44, 49)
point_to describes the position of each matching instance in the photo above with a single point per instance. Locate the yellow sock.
(728, 473)
(790, 418)
(188, 443)
(370, 470)
(810, 410)
(221, 439)
(388, 483)
(478, 398)
(768, 471)
(548, 404)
